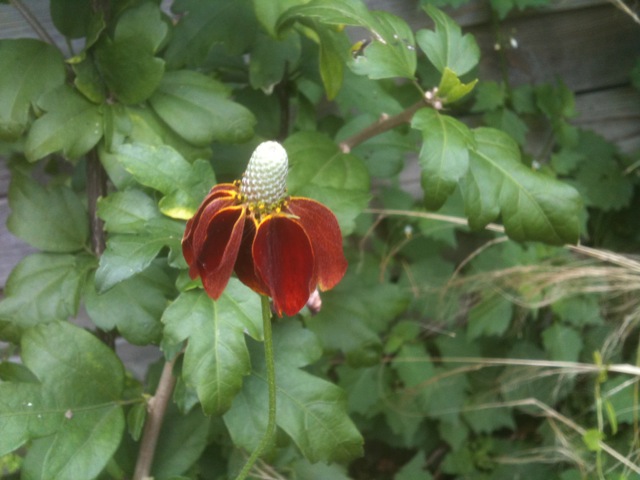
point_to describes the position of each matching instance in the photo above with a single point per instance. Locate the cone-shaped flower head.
(280, 246)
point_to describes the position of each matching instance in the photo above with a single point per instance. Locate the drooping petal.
(218, 252)
(323, 230)
(283, 257)
(244, 268)
(197, 227)
(222, 190)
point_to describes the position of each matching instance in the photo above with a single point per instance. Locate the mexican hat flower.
(280, 246)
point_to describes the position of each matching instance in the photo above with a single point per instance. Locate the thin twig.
(384, 124)
(156, 408)
(32, 21)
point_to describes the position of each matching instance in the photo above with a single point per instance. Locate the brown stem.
(96, 188)
(156, 409)
(32, 21)
(382, 125)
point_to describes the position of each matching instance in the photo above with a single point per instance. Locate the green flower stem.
(271, 380)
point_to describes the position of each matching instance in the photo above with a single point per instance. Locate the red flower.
(280, 246)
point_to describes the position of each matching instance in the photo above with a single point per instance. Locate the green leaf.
(71, 125)
(579, 311)
(444, 156)
(181, 442)
(81, 385)
(45, 287)
(563, 343)
(127, 211)
(354, 313)
(451, 89)
(268, 13)
(196, 107)
(128, 254)
(28, 68)
(144, 23)
(393, 54)
(446, 47)
(491, 316)
(489, 96)
(51, 218)
(130, 69)
(71, 17)
(532, 206)
(320, 171)
(205, 24)
(270, 58)
(133, 306)
(310, 410)
(331, 12)
(164, 169)
(332, 57)
(506, 120)
(128, 63)
(603, 184)
(414, 469)
(360, 384)
(592, 439)
(216, 358)
(89, 82)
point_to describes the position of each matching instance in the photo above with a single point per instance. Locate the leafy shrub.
(433, 358)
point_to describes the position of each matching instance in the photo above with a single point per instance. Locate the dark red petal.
(321, 226)
(245, 269)
(217, 253)
(222, 190)
(283, 257)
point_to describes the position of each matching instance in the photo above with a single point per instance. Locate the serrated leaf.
(391, 55)
(71, 125)
(353, 314)
(197, 108)
(310, 410)
(216, 358)
(133, 306)
(205, 24)
(164, 169)
(603, 184)
(532, 206)
(563, 343)
(491, 316)
(320, 171)
(52, 218)
(45, 287)
(128, 254)
(451, 89)
(444, 156)
(489, 96)
(28, 68)
(81, 384)
(446, 47)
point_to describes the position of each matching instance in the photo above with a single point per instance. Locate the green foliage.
(446, 351)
